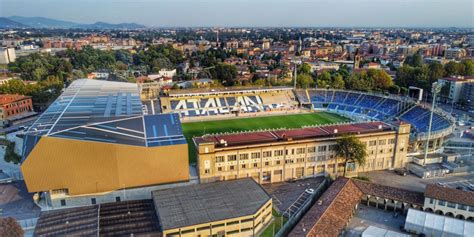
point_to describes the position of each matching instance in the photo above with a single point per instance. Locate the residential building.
(281, 155)
(455, 53)
(14, 107)
(454, 89)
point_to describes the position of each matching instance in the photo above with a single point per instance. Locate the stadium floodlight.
(435, 89)
(296, 62)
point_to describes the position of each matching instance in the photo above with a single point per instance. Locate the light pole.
(435, 89)
(296, 62)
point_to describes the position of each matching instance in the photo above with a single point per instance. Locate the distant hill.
(6, 23)
(42, 22)
(104, 26)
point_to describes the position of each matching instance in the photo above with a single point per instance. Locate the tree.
(304, 69)
(468, 67)
(453, 69)
(351, 150)
(379, 79)
(436, 71)
(415, 61)
(323, 79)
(338, 81)
(10, 228)
(304, 80)
(10, 154)
(225, 73)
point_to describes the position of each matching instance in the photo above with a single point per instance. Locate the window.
(321, 158)
(219, 159)
(277, 172)
(267, 154)
(442, 203)
(431, 201)
(471, 208)
(255, 165)
(311, 149)
(332, 147)
(93, 201)
(231, 157)
(462, 207)
(311, 159)
(372, 143)
(267, 163)
(278, 162)
(231, 167)
(63, 202)
(219, 168)
(244, 166)
(391, 141)
(203, 228)
(255, 155)
(322, 148)
(278, 153)
(382, 142)
(300, 160)
(207, 171)
(117, 199)
(244, 156)
(232, 222)
(451, 205)
(300, 150)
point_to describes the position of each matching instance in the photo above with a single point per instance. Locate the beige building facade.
(289, 157)
(249, 225)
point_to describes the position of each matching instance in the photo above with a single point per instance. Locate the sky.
(259, 13)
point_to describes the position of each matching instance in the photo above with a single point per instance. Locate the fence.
(295, 217)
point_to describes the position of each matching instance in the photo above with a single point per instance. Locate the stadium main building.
(95, 138)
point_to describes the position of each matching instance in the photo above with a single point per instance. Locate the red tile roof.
(9, 98)
(449, 194)
(294, 134)
(330, 214)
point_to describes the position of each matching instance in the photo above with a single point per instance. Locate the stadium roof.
(204, 203)
(324, 131)
(104, 111)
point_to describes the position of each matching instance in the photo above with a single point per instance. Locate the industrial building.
(280, 155)
(237, 207)
(95, 139)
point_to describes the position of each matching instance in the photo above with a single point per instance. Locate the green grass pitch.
(194, 129)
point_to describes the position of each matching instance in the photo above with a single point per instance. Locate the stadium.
(100, 137)
(201, 111)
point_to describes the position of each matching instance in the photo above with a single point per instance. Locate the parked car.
(401, 171)
(309, 190)
(471, 187)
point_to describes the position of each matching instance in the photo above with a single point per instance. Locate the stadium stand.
(374, 107)
(209, 103)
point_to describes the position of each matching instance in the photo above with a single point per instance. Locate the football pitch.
(195, 129)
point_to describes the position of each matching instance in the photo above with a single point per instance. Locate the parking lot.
(290, 196)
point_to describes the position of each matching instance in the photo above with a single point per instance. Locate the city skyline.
(262, 13)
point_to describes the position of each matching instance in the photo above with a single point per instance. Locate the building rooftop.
(216, 91)
(136, 217)
(449, 194)
(329, 215)
(392, 193)
(104, 111)
(323, 131)
(9, 98)
(204, 203)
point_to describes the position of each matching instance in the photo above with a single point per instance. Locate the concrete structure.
(13, 107)
(276, 156)
(231, 208)
(94, 139)
(449, 201)
(7, 55)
